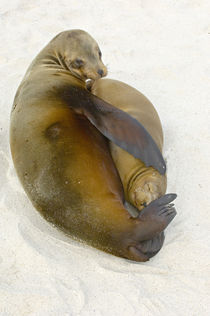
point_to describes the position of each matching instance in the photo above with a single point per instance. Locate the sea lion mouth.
(85, 77)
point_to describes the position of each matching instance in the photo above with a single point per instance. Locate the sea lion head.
(80, 53)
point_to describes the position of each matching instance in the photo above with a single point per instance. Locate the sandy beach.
(162, 49)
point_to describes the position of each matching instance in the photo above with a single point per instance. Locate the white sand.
(162, 48)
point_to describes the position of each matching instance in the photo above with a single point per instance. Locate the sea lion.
(141, 184)
(62, 157)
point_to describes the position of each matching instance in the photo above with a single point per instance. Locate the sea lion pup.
(62, 157)
(141, 184)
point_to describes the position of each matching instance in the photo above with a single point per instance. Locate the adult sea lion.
(141, 184)
(64, 162)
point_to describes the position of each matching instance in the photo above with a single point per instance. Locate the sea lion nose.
(100, 72)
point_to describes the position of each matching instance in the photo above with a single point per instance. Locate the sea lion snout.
(101, 72)
(95, 71)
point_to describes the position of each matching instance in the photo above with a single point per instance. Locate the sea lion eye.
(100, 54)
(78, 63)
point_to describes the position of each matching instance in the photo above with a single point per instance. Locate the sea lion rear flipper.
(147, 249)
(122, 129)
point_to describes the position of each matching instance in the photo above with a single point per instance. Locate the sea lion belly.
(66, 169)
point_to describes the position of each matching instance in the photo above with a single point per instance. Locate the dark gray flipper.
(151, 247)
(155, 217)
(148, 236)
(117, 126)
(147, 249)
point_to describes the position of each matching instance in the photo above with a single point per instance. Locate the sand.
(161, 48)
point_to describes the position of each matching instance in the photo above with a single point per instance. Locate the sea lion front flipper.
(120, 128)
(126, 132)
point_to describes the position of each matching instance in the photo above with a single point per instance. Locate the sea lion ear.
(123, 130)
